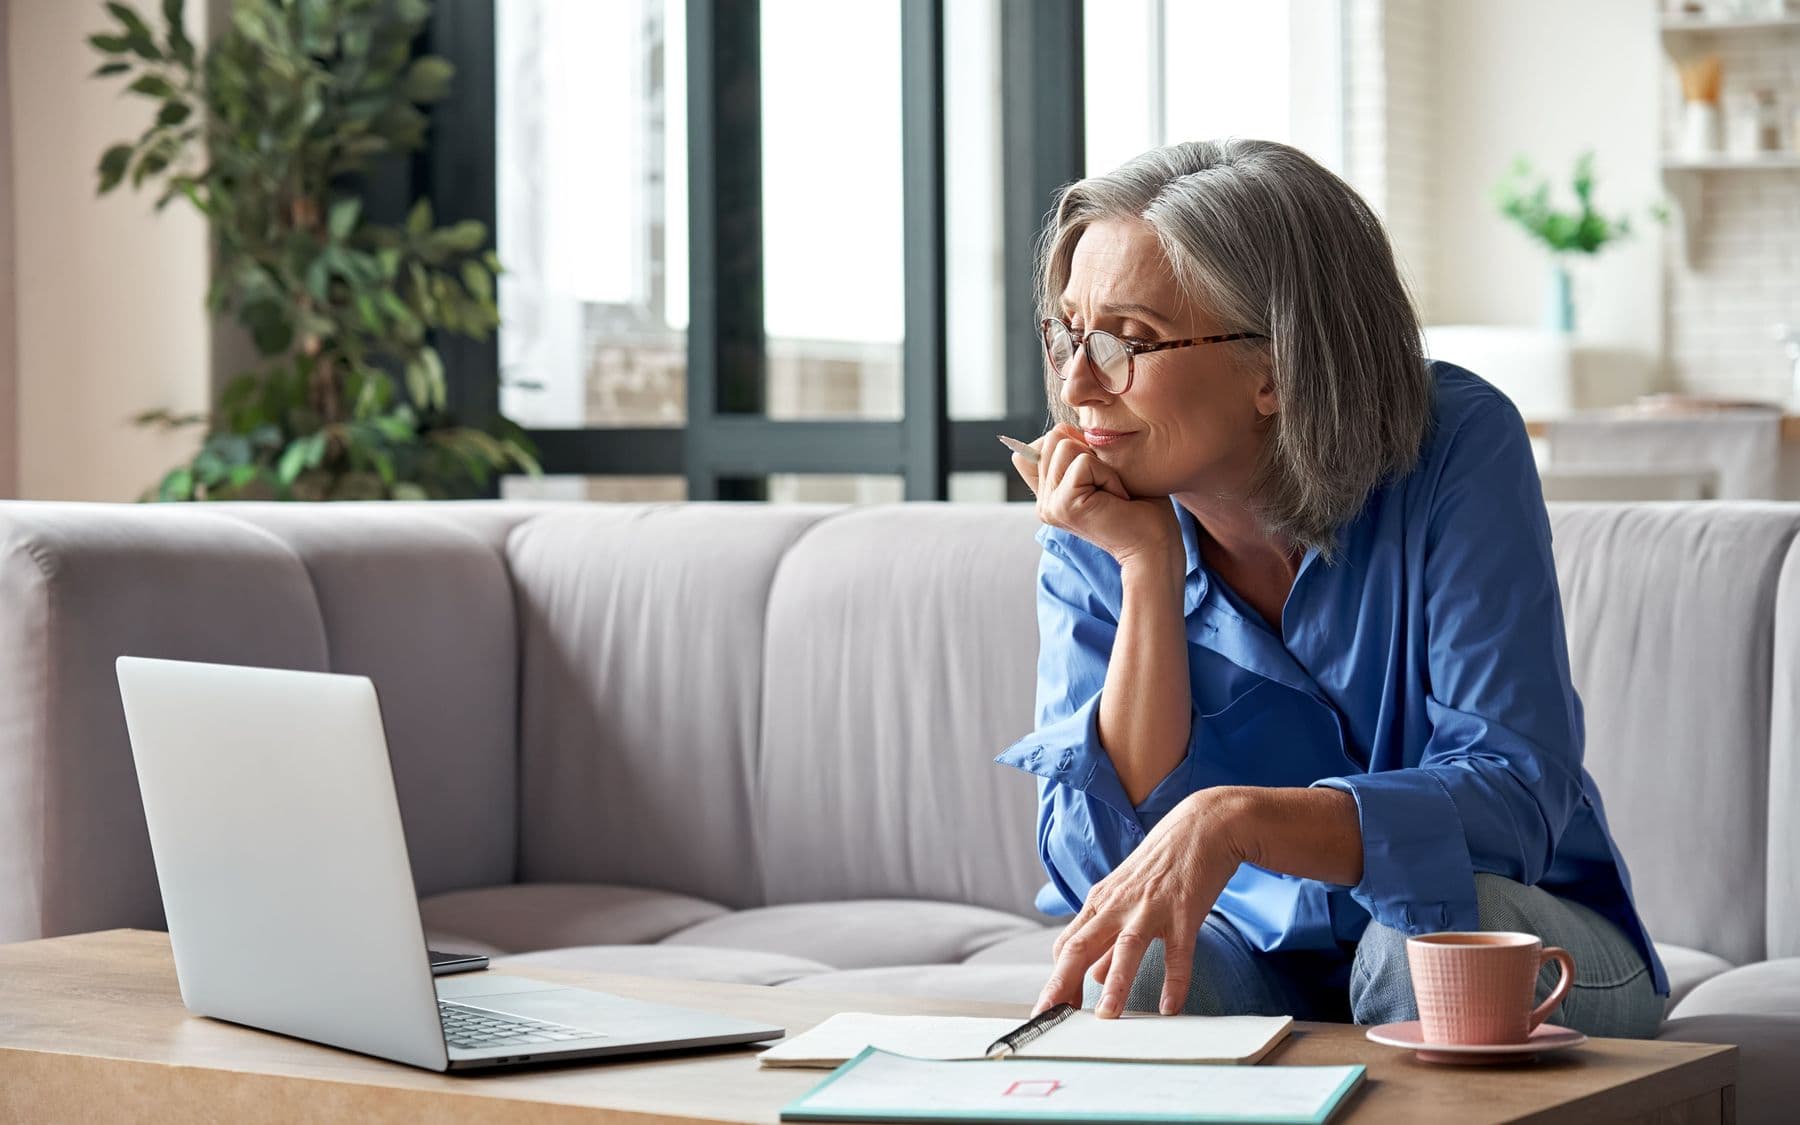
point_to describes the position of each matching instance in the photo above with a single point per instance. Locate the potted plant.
(268, 133)
(1525, 199)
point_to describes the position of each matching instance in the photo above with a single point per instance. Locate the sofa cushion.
(1670, 612)
(901, 658)
(861, 934)
(383, 578)
(1013, 984)
(1687, 968)
(641, 674)
(1770, 988)
(528, 916)
(1032, 948)
(685, 962)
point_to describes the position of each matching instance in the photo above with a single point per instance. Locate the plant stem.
(303, 214)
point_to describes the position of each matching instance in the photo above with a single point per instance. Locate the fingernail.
(1168, 1008)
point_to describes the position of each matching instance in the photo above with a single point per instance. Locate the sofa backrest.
(1671, 612)
(641, 670)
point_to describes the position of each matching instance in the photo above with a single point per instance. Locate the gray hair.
(1273, 243)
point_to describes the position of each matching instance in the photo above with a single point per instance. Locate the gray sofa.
(754, 743)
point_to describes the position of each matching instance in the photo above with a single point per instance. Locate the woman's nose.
(1082, 384)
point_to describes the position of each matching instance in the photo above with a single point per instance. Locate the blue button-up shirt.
(1424, 672)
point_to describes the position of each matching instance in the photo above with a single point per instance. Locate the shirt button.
(1036, 753)
(1063, 763)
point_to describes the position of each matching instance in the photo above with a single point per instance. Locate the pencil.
(1019, 447)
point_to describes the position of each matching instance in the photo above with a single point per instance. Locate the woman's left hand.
(1164, 889)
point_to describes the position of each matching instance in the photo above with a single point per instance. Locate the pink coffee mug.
(1478, 987)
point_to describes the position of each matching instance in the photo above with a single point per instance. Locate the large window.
(591, 161)
(1162, 71)
(784, 249)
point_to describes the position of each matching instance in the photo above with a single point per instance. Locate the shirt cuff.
(1068, 752)
(1417, 876)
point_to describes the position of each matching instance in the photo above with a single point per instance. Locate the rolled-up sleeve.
(1087, 824)
(1499, 776)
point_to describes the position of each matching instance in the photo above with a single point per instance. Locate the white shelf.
(1779, 161)
(1675, 25)
(1683, 177)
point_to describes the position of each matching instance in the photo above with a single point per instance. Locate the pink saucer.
(1547, 1037)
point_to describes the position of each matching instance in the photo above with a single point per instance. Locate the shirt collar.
(1215, 623)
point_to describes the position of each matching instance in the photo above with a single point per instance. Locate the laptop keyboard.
(465, 1026)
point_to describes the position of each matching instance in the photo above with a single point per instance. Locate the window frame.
(728, 446)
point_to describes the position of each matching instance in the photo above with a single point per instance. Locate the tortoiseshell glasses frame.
(1114, 358)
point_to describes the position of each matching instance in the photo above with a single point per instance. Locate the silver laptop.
(289, 895)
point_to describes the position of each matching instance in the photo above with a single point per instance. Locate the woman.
(1303, 688)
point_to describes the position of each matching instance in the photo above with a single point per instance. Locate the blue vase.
(1559, 300)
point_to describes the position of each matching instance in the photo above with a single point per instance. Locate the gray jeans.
(1613, 994)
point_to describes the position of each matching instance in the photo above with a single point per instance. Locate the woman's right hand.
(1084, 496)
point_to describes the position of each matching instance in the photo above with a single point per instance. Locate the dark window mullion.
(926, 424)
(1042, 138)
(457, 171)
(727, 358)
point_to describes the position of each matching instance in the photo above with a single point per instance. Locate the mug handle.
(1542, 1012)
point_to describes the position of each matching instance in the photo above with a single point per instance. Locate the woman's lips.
(1100, 438)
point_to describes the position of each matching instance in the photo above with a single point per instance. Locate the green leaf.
(344, 214)
(418, 220)
(427, 80)
(112, 166)
(177, 485)
(152, 86)
(523, 457)
(173, 113)
(144, 47)
(209, 467)
(150, 162)
(107, 70)
(425, 380)
(465, 237)
(319, 443)
(293, 459)
(180, 46)
(109, 44)
(134, 23)
(477, 281)
(318, 278)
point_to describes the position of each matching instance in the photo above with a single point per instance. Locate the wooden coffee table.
(92, 1029)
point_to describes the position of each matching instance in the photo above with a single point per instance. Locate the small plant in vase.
(1524, 198)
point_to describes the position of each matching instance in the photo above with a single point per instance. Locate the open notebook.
(1133, 1037)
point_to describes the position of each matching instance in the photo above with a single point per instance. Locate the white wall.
(110, 299)
(1549, 79)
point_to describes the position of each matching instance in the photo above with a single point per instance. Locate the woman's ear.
(1268, 404)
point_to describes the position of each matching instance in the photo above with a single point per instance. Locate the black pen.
(1032, 1028)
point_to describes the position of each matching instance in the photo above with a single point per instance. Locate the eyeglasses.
(1114, 360)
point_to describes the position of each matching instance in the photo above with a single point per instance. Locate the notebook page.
(1148, 1037)
(845, 1035)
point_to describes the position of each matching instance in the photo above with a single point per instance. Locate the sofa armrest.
(80, 585)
